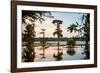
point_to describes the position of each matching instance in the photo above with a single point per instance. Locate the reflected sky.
(53, 50)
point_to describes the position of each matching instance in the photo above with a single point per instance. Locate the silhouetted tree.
(71, 43)
(83, 29)
(35, 15)
(28, 52)
(58, 32)
(29, 33)
(72, 28)
(43, 42)
(86, 35)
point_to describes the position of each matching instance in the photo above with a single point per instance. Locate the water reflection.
(71, 51)
(45, 53)
(28, 55)
(43, 48)
(58, 56)
(43, 43)
(52, 54)
(71, 44)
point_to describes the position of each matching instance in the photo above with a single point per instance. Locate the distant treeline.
(56, 39)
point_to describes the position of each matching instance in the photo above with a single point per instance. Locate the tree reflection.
(28, 41)
(86, 52)
(43, 43)
(70, 45)
(86, 36)
(58, 32)
(58, 57)
(28, 35)
(84, 30)
(71, 51)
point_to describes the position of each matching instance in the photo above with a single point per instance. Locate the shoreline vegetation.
(54, 43)
(56, 39)
(34, 19)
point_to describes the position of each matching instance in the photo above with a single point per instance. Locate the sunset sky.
(67, 18)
